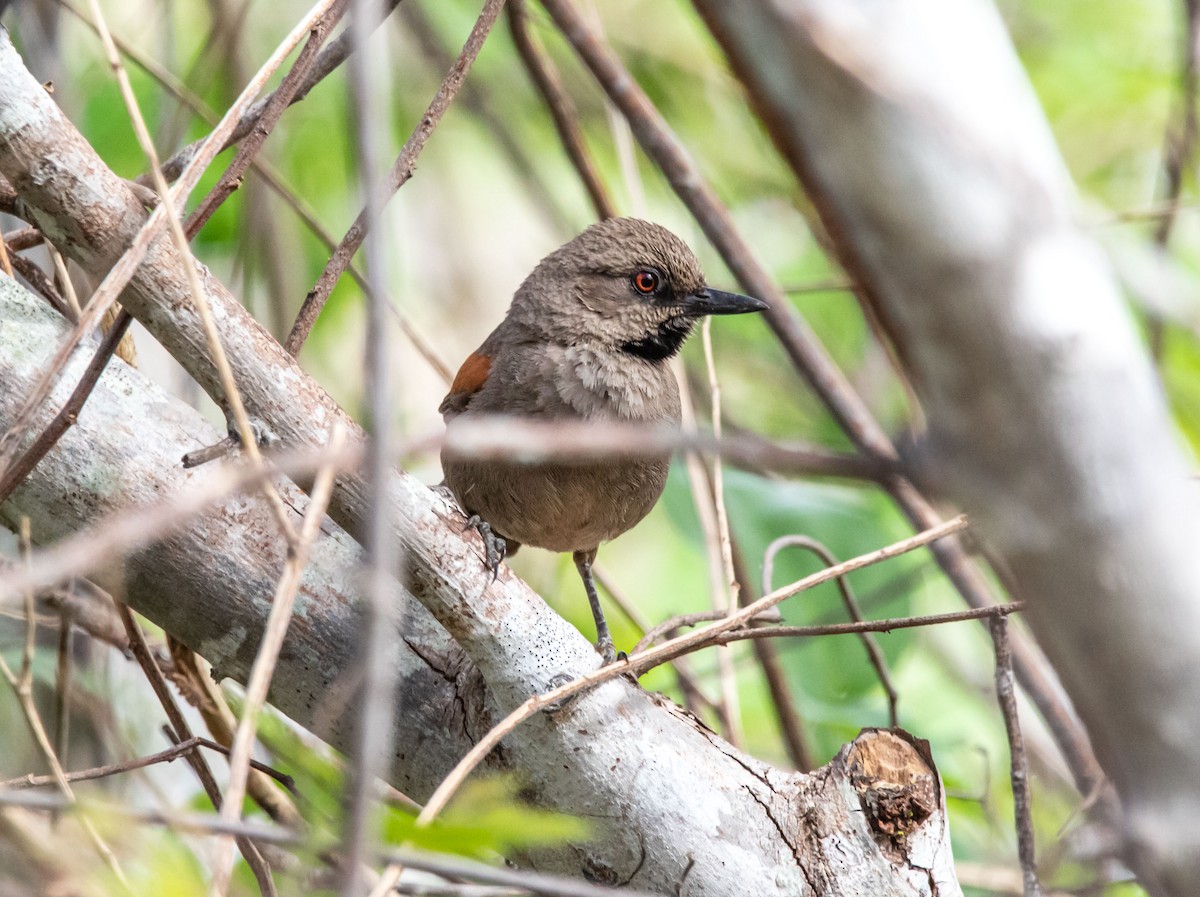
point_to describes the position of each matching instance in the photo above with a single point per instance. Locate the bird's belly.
(558, 506)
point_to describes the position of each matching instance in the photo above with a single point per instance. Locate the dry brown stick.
(709, 486)
(22, 685)
(1019, 765)
(62, 687)
(328, 59)
(787, 713)
(277, 103)
(683, 621)
(814, 363)
(5, 264)
(664, 652)
(180, 92)
(893, 623)
(704, 501)
(195, 682)
(48, 438)
(268, 653)
(401, 171)
(112, 769)
(874, 653)
(562, 107)
(772, 631)
(63, 283)
(493, 108)
(37, 279)
(180, 731)
(178, 749)
(23, 238)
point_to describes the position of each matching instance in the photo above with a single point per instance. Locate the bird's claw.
(608, 651)
(494, 547)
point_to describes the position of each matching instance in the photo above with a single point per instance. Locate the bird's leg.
(494, 546)
(604, 642)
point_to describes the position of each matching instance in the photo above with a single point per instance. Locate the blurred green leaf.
(485, 819)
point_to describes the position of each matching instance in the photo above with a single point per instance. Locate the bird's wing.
(468, 381)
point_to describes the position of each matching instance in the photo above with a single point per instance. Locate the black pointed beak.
(717, 302)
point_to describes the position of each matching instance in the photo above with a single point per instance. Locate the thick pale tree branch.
(667, 800)
(916, 133)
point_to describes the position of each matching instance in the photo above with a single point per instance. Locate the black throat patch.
(661, 343)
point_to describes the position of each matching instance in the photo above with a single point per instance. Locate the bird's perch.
(667, 800)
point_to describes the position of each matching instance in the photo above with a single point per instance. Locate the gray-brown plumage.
(588, 336)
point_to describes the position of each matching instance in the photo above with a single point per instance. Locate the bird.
(587, 337)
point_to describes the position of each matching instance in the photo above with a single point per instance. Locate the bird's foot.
(494, 546)
(608, 651)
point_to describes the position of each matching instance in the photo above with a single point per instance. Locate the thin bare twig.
(727, 707)
(685, 621)
(725, 586)
(268, 116)
(164, 756)
(180, 731)
(666, 651)
(384, 605)
(562, 109)
(958, 616)
(332, 56)
(1006, 695)
(62, 688)
(194, 679)
(874, 652)
(21, 468)
(493, 107)
(66, 288)
(37, 279)
(402, 170)
(791, 725)
(22, 685)
(264, 663)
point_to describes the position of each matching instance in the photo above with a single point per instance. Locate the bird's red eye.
(646, 282)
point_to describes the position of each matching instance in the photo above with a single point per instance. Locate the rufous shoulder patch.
(468, 381)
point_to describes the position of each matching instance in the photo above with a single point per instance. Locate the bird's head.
(623, 284)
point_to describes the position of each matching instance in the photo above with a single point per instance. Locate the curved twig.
(874, 652)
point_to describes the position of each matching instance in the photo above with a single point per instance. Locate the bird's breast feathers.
(594, 383)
